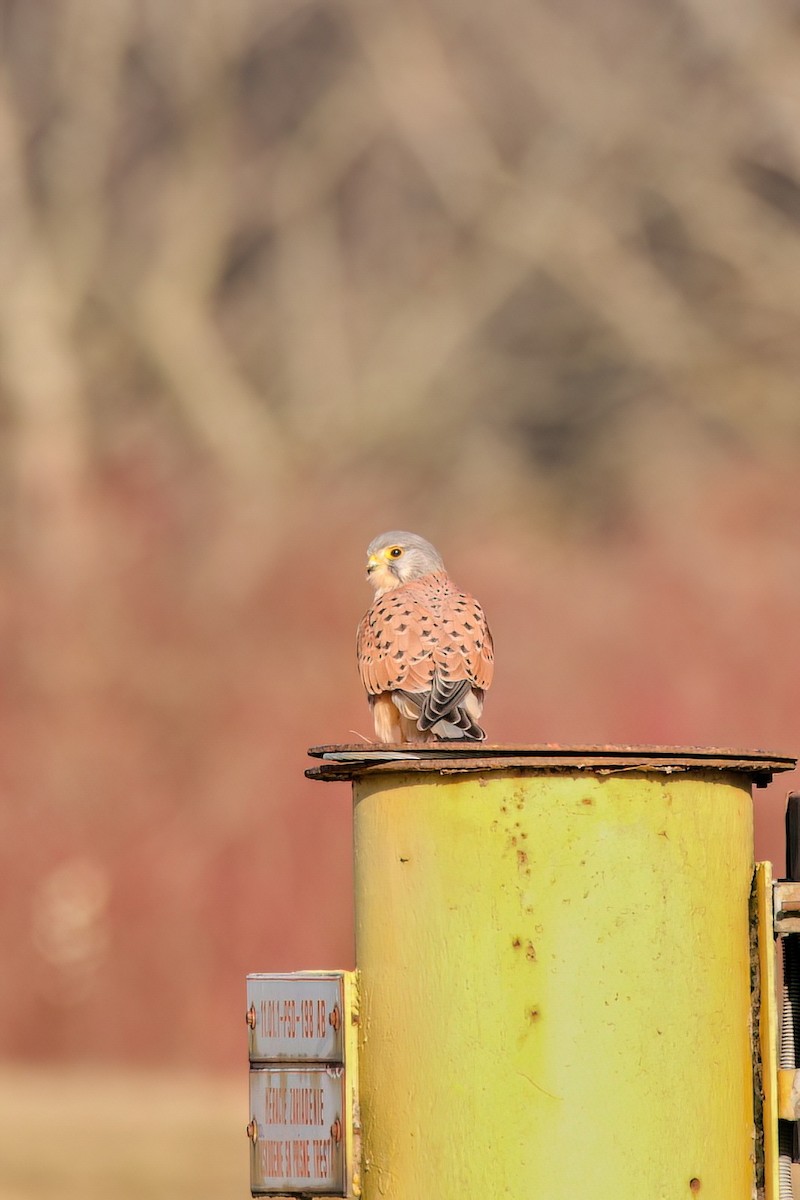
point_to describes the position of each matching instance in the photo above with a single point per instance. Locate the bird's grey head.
(398, 557)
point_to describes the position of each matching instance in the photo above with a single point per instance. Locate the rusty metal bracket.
(786, 906)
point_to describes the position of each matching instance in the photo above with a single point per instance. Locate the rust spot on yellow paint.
(530, 951)
(587, 800)
(694, 1184)
(533, 1015)
(516, 942)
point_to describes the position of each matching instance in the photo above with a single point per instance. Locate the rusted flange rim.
(355, 761)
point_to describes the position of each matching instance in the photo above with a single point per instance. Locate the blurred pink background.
(524, 279)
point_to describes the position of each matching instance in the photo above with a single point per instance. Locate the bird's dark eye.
(395, 551)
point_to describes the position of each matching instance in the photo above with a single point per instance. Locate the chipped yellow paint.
(767, 1014)
(554, 983)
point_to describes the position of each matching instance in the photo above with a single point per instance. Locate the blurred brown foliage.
(273, 277)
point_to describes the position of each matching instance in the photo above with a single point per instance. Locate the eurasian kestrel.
(424, 649)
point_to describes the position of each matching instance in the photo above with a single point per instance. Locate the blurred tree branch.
(259, 236)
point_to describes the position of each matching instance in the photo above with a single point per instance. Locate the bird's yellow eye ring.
(395, 551)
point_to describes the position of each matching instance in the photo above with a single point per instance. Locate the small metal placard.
(298, 1017)
(297, 1132)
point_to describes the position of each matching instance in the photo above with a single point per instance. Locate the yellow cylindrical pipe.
(555, 993)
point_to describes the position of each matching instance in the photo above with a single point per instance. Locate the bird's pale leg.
(386, 719)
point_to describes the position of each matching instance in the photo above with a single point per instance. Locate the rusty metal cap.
(448, 758)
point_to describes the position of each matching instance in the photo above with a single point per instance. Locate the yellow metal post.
(555, 981)
(555, 987)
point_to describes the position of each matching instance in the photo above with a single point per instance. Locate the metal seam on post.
(766, 1076)
(790, 1007)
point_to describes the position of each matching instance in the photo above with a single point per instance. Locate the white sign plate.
(293, 1018)
(299, 1131)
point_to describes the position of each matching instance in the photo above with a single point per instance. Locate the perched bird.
(425, 652)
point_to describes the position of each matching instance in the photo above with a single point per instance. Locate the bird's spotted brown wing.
(395, 643)
(425, 628)
(464, 648)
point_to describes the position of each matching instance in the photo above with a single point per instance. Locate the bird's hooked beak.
(382, 572)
